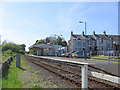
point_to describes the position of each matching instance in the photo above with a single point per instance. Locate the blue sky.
(26, 22)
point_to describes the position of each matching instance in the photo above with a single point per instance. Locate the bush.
(22, 51)
(8, 52)
(31, 51)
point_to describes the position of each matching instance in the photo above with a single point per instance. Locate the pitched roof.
(41, 45)
(96, 37)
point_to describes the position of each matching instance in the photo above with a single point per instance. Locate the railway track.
(71, 76)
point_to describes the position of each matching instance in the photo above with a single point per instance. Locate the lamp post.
(109, 51)
(85, 39)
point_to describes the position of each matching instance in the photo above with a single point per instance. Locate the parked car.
(69, 54)
(63, 55)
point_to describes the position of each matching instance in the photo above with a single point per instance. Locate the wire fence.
(104, 53)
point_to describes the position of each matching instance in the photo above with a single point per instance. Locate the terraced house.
(96, 44)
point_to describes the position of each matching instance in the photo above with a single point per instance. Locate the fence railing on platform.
(104, 53)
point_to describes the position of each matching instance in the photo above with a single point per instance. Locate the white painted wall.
(104, 76)
(55, 50)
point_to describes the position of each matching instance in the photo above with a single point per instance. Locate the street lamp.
(85, 39)
(109, 51)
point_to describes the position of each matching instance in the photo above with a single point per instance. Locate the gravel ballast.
(35, 76)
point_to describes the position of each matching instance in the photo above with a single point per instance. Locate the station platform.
(112, 68)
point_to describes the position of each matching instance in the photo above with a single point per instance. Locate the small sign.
(18, 60)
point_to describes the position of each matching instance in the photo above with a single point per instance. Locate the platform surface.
(112, 68)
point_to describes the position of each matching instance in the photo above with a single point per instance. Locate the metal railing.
(104, 53)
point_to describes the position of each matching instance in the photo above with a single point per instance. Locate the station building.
(46, 49)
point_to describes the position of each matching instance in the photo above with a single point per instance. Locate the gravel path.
(34, 76)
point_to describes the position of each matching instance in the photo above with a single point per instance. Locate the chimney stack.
(71, 33)
(83, 33)
(93, 32)
(104, 32)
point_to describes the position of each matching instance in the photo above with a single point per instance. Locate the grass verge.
(10, 78)
(104, 60)
(105, 57)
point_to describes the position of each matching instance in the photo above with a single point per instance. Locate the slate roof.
(96, 37)
(41, 45)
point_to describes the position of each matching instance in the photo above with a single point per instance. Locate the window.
(102, 41)
(99, 41)
(90, 48)
(102, 48)
(95, 43)
(75, 48)
(90, 42)
(83, 44)
(78, 43)
(116, 42)
(106, 42)
(112, 42)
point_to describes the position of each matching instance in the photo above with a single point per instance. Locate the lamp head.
(80, 22)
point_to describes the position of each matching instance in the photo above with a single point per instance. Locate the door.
(42, 52)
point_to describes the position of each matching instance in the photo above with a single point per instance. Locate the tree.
(22, 51)
(52, 39)
(9, 52)
(13, 47)
(30, 51)
(39, 41)
(4, 42)
(57, 41)
(64, 43)
(23, 46)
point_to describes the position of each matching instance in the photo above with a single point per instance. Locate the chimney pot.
(104, 32)
(71, 32)
(83, 33)
(93, 32)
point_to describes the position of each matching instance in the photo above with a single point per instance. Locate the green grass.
(105, 57)
(11, 80)
(5, 56)
(0, 83)
(100, 57)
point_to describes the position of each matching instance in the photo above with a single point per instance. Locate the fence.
(103, 53)
(5, 64)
